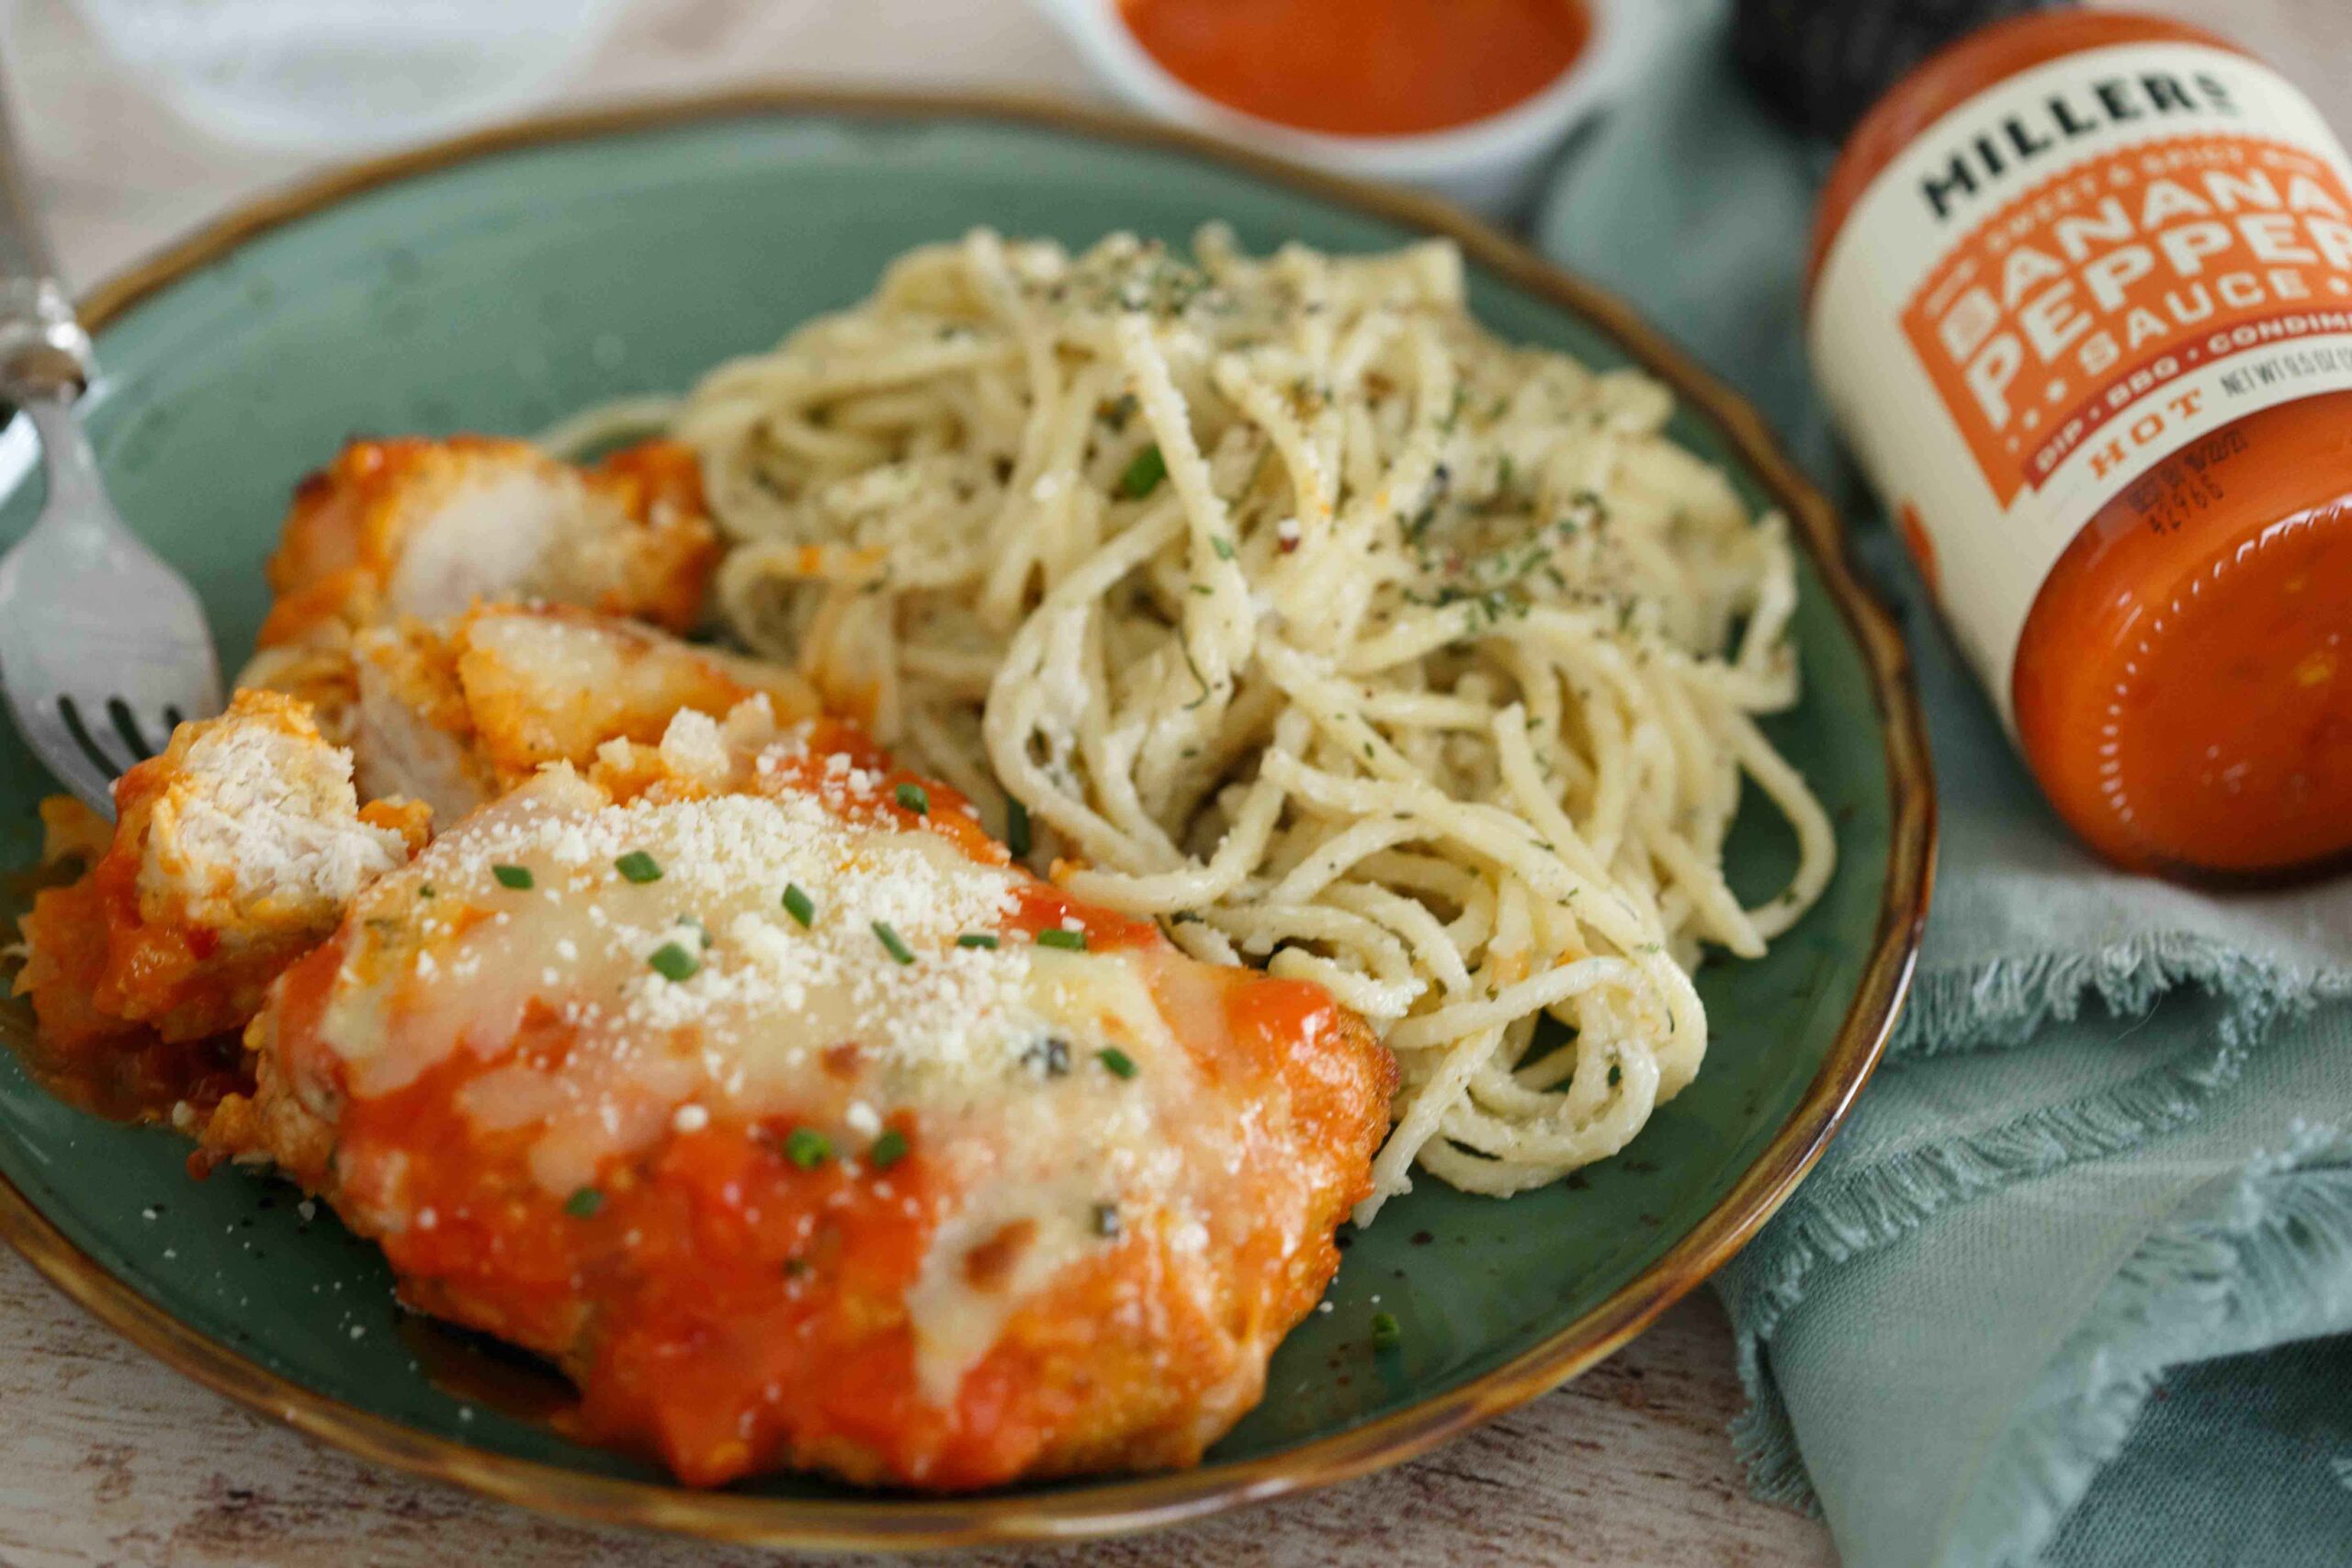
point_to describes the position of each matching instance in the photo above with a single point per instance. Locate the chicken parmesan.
(744, 1076)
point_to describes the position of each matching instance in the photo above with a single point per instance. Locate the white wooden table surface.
(106, 1457)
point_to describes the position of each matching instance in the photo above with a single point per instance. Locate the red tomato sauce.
(1363, 67)
(97, 960)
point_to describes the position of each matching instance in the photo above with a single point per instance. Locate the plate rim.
(897, 1522)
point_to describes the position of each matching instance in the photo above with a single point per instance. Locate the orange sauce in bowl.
(1363, 67)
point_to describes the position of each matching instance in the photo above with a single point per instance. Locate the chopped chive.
(1385, 1331)
(516, 876)
(425, 890)
(1106, 1220)
(977, 938)
(1144, 473)
(1075, 941)
(638, 866)
(1616, 1075)
(914, 797)
(895, 944)
(887, 1150)
(1115, 1062)
(1016, 828)
(584, 1203)
(807, 1149)
(673, 961)
(1222, 545)
(798, 904)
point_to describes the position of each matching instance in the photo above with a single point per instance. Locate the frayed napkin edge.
(2006, 1002)
(2268, 1263)
(2002, 1004)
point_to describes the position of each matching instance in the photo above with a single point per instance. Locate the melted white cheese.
(997, 1053)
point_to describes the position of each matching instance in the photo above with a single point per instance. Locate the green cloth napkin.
(2075, 1284)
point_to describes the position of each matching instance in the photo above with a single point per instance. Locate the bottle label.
(2072, 276)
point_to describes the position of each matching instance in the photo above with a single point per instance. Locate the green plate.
(499, 282)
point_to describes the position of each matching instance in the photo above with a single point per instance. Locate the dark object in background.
(1819, 63)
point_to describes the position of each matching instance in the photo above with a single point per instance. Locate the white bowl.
(1489, 166)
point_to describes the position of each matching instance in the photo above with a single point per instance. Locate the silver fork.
(104, 649)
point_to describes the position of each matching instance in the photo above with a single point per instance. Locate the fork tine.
(68, 710)
(66, 748)
(126, 723)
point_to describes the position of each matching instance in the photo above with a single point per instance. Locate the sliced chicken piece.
(553, 686)
(428, 528)
(234, 853)
(458, 714)
(413, 731)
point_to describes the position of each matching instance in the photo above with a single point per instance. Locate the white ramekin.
(1488, 165)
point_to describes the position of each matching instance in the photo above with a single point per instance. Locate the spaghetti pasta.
(1306, 616)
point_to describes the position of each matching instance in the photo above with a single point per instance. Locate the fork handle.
(44, 352)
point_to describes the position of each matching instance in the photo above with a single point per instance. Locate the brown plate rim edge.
(1147, 1502)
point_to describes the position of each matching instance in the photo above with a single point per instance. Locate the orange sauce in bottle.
(2082, 301)
(1363, 67)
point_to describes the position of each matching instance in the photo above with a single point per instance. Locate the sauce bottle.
(2081, 300)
